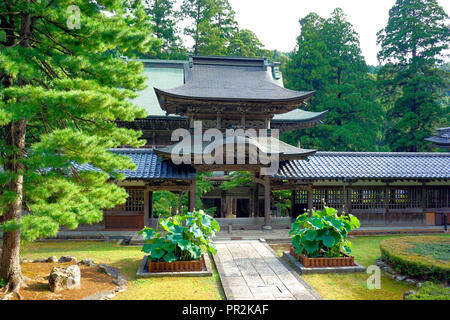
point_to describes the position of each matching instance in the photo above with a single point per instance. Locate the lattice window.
(367, 198)
(438, 198)
(405, 198)
(301, 197)
(334, 198)
(318, 196)
(134, 203)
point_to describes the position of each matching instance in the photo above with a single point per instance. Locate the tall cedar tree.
(211, 24)
(164, 20)
(245, 43)
(61, 91)
(328, 60)
(411, 82)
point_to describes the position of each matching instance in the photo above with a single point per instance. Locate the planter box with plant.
(321, 240)
(178, 243)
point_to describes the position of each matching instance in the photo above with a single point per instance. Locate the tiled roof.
(442, 138)
(230, 79)
(151, 167)
(367, 165)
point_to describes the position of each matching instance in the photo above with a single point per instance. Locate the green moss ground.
(127, 259)
(353, 286)
(329, 286)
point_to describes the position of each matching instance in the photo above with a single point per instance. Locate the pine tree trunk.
(10, 270)
(15, 133)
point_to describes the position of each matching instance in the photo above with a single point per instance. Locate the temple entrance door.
(243, 208)
(300, 203)
(212, 202)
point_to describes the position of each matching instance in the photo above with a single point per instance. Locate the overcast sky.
(275, 22)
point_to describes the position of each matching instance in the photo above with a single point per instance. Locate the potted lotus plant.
(320, 240)
(178, 243)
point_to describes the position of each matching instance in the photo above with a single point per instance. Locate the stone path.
(251, 270)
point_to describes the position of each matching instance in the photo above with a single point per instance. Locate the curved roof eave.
(302, 96)
(283, 118)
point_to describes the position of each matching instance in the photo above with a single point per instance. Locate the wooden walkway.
(251, 270)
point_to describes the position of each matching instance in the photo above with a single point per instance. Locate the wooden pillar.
(424, 199)
(251, 202)
(349, 200)
(229, 206)
(310, 201)
(147, 206)
(192, 196)
(267, 203)
(180, 202)
(386, 202)
(255, 196)
(223, 204)
(292, 203)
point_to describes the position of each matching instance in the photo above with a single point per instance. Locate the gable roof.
(368, 165)
(229, 79)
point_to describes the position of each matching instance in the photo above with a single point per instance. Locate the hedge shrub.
(409, 256)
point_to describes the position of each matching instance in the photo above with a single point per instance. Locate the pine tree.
(411, 82)
(328, 60)
(62, 87)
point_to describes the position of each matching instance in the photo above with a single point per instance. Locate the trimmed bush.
(425, 257)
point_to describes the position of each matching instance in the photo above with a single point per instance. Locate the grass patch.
(431, 291)
(366, 250)
(127, 259)
(437, 250)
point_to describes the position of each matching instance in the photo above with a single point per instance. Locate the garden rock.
(407, 293)
(110, 271)
(52, 259)
(120, 281)
(39, 260)
(419, 284)
(410, 281)
(65, 278)
(380, 263)
(87, 262)
(68, 259)
(400, 278)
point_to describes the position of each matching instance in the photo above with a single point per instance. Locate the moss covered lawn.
(353, 286)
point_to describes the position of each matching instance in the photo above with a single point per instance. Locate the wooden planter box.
(176, 266)
(345, 261)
